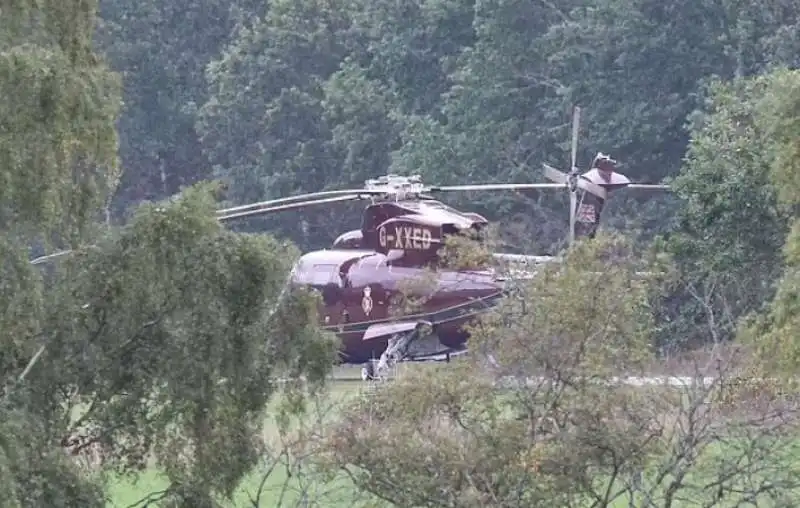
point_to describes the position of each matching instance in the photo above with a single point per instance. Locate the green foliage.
(730, 227)
(163, 49)
(781, 119)
(726, 186)
(409, 47)
(58, 147)
(468, 439)
(34, 473)
(590, 314)
(22, 305)
(172, 334)
(57, 169)
(169, 333)
(772, 333)
(360, 111)
(458, 91)
(468, 250)
(275, 66)
(309, 95)
(536, 416)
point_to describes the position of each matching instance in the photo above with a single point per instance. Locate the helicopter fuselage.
(366, 299)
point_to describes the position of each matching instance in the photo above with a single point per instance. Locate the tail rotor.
(595, 185)
(573, 173)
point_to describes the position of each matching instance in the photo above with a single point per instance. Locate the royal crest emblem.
(366, 302)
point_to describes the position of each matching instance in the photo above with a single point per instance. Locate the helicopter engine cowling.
(349, 240)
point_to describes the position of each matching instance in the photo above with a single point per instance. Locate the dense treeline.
(158, 341)
(300, 96)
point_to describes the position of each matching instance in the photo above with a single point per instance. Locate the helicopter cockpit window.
(322, 275)
(326, 280)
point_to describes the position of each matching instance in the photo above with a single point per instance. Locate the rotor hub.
(397, 185)
(572, 179)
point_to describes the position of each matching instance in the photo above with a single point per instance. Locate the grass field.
(304, 488)
(307, 488)
(276, 492)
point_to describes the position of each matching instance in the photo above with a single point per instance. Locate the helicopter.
(403, 230)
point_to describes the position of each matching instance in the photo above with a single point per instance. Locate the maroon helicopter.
(403, 230)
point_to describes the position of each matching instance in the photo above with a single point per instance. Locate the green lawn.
(276, 492)
(304, 488)
(308, 488)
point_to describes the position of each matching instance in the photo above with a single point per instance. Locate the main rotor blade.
(232, 213)
(561, 178)
(299, 197)
(555, 175)
(576, 119)
(48, 257)
(648, 186)
(496, 186)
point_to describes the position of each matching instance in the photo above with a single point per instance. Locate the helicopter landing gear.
(368, 371)
(396, 351)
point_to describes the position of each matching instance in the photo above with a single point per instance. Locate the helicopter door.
(328, 282)
(366, 296)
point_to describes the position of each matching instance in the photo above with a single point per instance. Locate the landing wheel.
(368, 371)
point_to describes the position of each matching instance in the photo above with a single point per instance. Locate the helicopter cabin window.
(323, 274)
(324, 278)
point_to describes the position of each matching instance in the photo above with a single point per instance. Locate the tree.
(275, 67)
(410, 47)
(469, 438)
(161, 341)
(168, 340)
(636, 67)
(773, 331)
(537, 415)
(493, 124)
(60, 127)
(313, 96)
(58, 166)
(730, 227)
(162, 49)
(264, 127)
(361, 113)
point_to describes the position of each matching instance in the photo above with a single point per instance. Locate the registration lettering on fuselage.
(405, 237)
